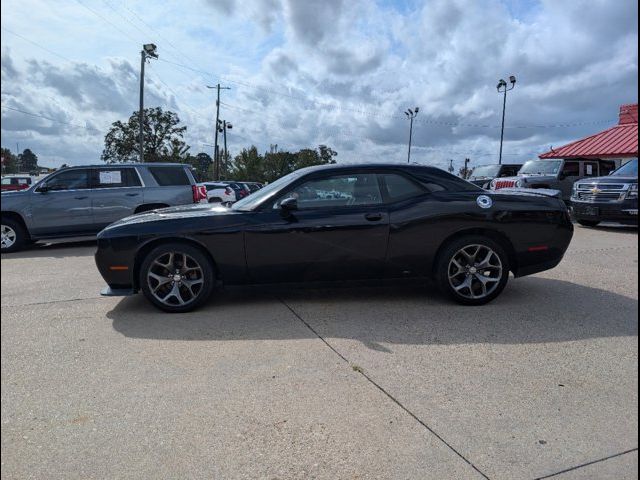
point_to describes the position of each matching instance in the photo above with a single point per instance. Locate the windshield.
(485, 171)
(541, 167)
(253, 200)
(629, 169)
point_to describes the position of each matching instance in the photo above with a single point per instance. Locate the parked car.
(16, 182)
(483, 174)
(219, 192)
(555, 174)
(613, 198)
(397, 221)
(79, 201)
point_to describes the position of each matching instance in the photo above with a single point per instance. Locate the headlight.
(519, 184)
(633, 191)
(574, 190)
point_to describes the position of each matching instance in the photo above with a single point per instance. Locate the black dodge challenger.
(339, 222)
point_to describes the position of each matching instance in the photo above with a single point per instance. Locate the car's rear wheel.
(472, 270)
(177, 277)
(14, 236)
(589, 223)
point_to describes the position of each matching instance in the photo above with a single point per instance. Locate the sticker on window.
(110, 176)
(589, 169)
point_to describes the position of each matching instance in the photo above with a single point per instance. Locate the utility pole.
(411, 114)
(148, 51)
(502, 87)
(216, 159)
(465, 172)
(451, 167)
(223, 126)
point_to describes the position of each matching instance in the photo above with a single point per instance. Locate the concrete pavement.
(388, 381)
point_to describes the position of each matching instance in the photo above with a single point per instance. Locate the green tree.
(248, 165)
(28, 161)
(9, 161)
(201, 163)
(163, 138)
(278, 164)
(327, 154)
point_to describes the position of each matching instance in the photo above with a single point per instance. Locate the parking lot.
(365, 381)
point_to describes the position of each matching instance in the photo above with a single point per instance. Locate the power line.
(50, 119)
(36, 44)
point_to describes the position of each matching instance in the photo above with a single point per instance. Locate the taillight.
(199, 193)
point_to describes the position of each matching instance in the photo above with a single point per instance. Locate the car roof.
(126, 164)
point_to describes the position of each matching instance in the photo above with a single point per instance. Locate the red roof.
(616, 142)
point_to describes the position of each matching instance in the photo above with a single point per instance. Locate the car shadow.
(57, 249)
(531, 310)
(613, 227)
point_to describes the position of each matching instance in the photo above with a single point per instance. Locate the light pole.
(503, 87)
(148, 51)
(411, 114)
(223, 126)
(216, 161)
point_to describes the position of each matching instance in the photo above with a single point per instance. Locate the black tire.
(499, 276)
(195, 297)
(589, 223)
(14, 236)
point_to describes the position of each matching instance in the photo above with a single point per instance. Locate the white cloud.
(333, 72)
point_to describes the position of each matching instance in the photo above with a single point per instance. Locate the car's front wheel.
(177, 277)
(14, 236)
(472, 270)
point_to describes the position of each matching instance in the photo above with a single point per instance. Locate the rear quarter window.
(170, 176)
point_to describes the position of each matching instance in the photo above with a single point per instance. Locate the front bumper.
(622, 212)
(116, 292)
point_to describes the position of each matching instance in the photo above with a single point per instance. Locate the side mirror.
(43, 189)
(289, 204)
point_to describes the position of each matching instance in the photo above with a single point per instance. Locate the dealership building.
(618, 143)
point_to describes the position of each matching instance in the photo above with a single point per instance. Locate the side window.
(336, 191)
(510, 171)
(69, 180)
(115, 178)
(169, 176)
(400, 188)
(571, 169)
(606, 167)
(590, 169)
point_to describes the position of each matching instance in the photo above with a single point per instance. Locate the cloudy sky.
(335, 72)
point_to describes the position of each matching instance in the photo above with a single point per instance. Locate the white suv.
(219, 193)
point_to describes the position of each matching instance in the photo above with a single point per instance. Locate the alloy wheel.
(175, 278)
(475, 271)
(9, 236)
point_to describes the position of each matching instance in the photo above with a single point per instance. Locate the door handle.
(81, 197)
(373, 217)
(132, 194)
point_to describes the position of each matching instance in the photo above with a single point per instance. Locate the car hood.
(527, 178)
(610, 179)
(173, 213)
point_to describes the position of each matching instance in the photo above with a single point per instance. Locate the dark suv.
(613, 198)
(81, 201)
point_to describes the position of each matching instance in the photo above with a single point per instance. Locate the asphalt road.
(386, 381)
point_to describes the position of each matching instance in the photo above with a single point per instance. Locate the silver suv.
(555, 174)
(81, 201)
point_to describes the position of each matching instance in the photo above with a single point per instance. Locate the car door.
(343, 236)
(116, 194)
(61, 205)
(569, 174)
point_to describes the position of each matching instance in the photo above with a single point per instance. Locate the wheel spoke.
(483, 268)
(182, 272)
